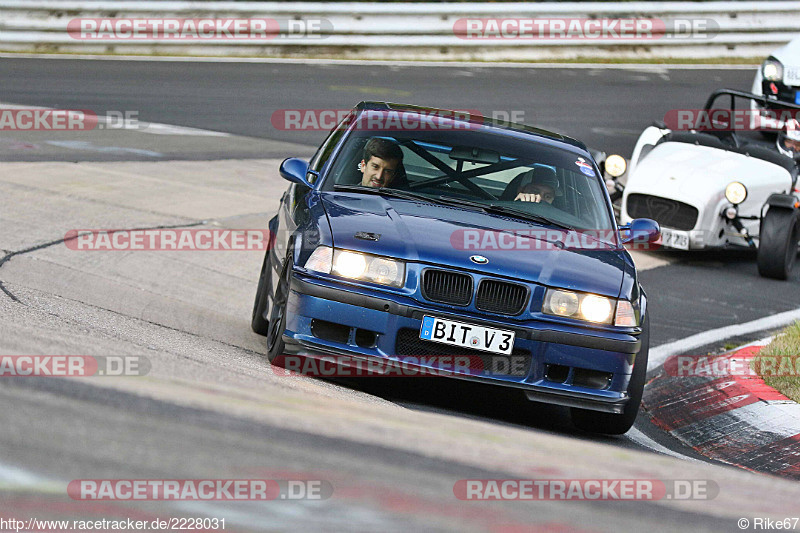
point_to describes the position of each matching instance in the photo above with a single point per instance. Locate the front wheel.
(277, 316)
(777, 243)
(258, 323)
(612, 423)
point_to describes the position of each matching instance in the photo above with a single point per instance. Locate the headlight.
(349, 264)
(772, 70)
(589, 307)
(367, 267)
(355, 265)
(615, 165)
(561, 303)
(735, 192)
(596, 308)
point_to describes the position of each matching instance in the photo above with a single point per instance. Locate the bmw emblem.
(479, 259)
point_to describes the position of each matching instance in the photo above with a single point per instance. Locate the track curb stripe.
(734, 419)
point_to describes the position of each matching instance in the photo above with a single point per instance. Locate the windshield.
(477, 166)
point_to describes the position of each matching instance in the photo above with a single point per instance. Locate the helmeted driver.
(789, 140)
(543, 186)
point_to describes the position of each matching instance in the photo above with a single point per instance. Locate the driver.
(789, 141)
(543, 187)
(382, 162)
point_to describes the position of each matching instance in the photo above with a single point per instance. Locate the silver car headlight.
(616, 165)
(735, 192)
(357, 265)
(589, 307)
(772, 70)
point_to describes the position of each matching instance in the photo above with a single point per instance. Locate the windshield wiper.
(458, 202)
(384, 191)
(501, 209)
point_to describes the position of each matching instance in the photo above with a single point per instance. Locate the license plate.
(466, 335)
(791, 76)
(675, 239)
(797, 97)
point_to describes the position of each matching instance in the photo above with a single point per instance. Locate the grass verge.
(786, 350)
(608, 60)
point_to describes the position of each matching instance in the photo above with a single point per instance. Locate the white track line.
(659, 354)
(107, 123)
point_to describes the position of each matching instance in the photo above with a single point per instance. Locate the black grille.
(447, 287)
(668, 213)
(517, 364)
(501, 297)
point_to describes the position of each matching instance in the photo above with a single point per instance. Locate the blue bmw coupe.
(462, 246)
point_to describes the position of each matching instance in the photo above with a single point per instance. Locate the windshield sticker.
(585, 167)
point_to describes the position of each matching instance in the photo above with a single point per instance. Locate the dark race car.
(418, 236)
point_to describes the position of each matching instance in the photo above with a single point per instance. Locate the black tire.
(777, 243)
(617, 424)
(277, 314)
(258, 323)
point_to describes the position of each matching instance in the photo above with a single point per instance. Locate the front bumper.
(568, 366)
(709, 229)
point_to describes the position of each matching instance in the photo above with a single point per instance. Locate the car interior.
(480, 174)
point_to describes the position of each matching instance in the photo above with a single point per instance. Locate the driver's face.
(378, 172)
(794, 146)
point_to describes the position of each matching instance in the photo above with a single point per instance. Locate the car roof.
(513, 129)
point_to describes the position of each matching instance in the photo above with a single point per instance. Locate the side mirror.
(641, 230)
(295, 170)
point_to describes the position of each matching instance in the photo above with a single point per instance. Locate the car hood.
(698, 175)
(435, 234)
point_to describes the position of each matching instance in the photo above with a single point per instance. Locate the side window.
(324, 152)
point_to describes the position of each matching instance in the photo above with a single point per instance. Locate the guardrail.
(413, 30)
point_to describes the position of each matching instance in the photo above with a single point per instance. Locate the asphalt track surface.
(605, 108)
(211, 407)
